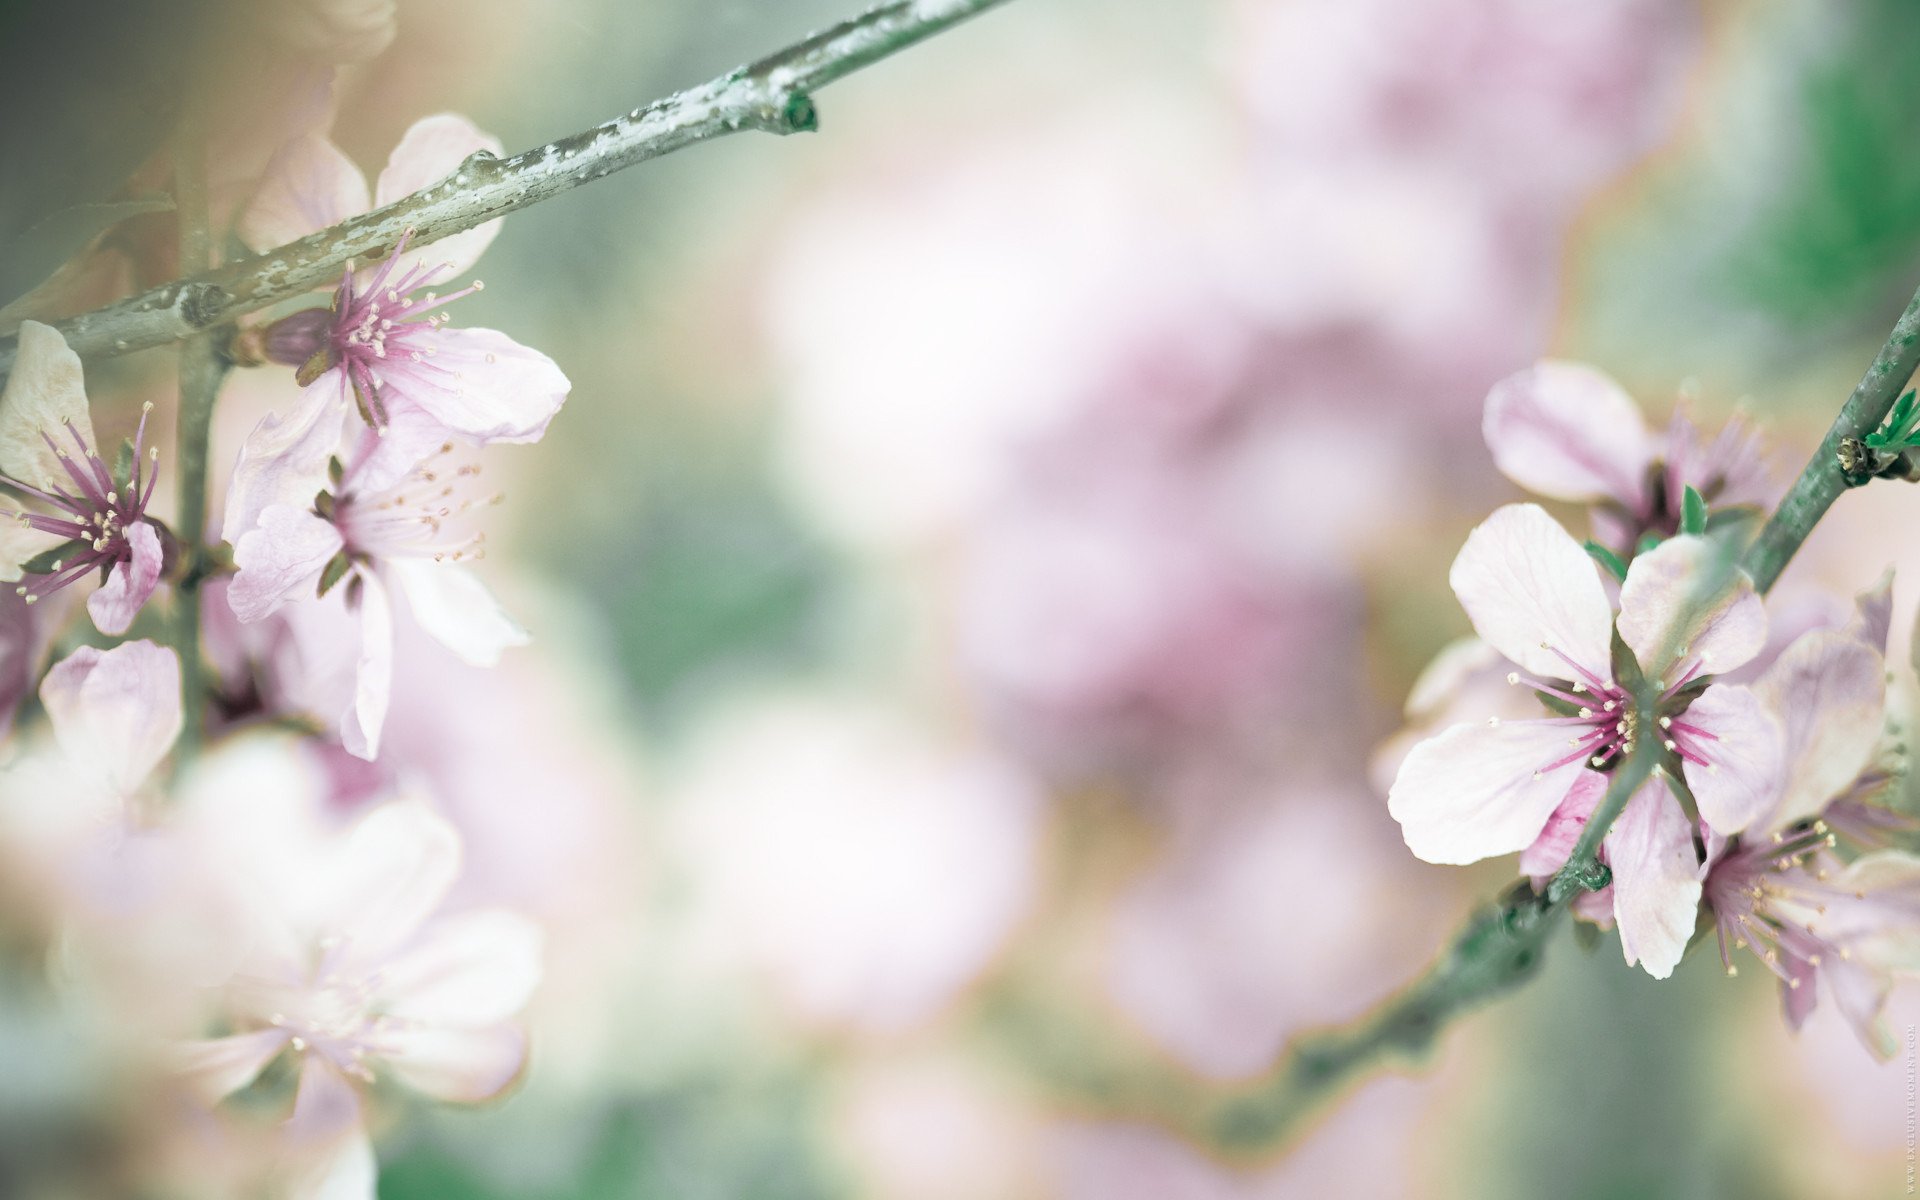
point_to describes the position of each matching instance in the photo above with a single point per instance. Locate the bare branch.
(773, 95)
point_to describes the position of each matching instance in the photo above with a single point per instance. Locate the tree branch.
(772, 95)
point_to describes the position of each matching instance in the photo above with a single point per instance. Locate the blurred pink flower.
(866, 870)
(99, 522)
(353, 968)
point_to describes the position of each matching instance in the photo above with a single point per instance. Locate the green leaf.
(336, 570)
(1607, 559)
(1626, 668)
(1693, 513)
(123, 467)
(1648, 541)
(49, 561)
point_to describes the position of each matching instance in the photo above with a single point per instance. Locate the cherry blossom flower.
(1477, 790)
(1568, 431)
(383, 347)
(416, 533)
(352, 968)
(85, 518)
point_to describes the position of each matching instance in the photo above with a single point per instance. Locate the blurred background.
(989, 539)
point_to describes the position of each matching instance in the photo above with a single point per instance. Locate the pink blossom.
(1568, 431)
(1483, 789)
(87, 520)
(351, 967)
(362, 536)
(384, 348)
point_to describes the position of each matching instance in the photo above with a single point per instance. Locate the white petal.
(346, 1170)
(309, 185)
(1442, 679)
(280, 559)
(18, 543)
(325, 1106)
(362, 723)
(459, 612)
(467, 971)
(1828, 691)
(1475, 791)
(462, 1066)
(218, 1067)
(1686, 599)
(1656, 889)
(1873, 613)
(433, 148)
(481, 384)
(1746, 770)
(284, 460)
(391, 871)
(1565, 430)
(1525, 583)
(118, 709)
(130, 584)
(44, 396)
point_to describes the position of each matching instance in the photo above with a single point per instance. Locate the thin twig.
(773, 95)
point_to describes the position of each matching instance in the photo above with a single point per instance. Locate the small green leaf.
(335, 471)
(49, 561)
(323, 505)
(1626, 668)
(1693, 513)
(1648, 541)
(336, 570)
(1607, 559)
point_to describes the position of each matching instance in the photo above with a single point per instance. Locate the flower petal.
(432, 149)
(117, 709)
(361, 724)
(1551, 850)
(1526, 584)
(389, 872)
(481, 384)
(467, 971)
(1564, 429)
(279, 559)
(1656, 889)
(310, 184)
(284, 460)
(130, 584)
(218, 1067)
(1685, 600)
(1475, 791)
(1745, 765)
(18, 543)
(1873, 614)
(461, 1066)
(459, 612)
(44, 395)
(1828, 691)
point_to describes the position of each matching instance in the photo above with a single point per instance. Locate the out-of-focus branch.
(201, 368)
(773, 95)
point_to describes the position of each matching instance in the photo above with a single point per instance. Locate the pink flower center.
(430, 513)
(1610, 721)
(93, 515)
(1757, 889)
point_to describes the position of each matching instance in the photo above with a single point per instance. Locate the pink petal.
(1551, 850)
(1476, 791)
(325, 1106)
(218, 1067)
(462, 1066)
(1565, 430)
(44, 393)
(284, 460)
(1656, 889)
(129, 585)
(1458, 662)
(1873, 614)
(391, 871)
(361, 724)
(482, 385)
(1828, 691)
(344, 1170)
(309, 185)
(1668, 621)
(453, 606)
(467, 971)
(433, 148)
(1860, 993)
(1746, 767)
(1876, 914)
(118, 709)
(280, 559)
(1526, 584)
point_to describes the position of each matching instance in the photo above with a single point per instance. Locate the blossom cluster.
(280, 923)
(1763, 820)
